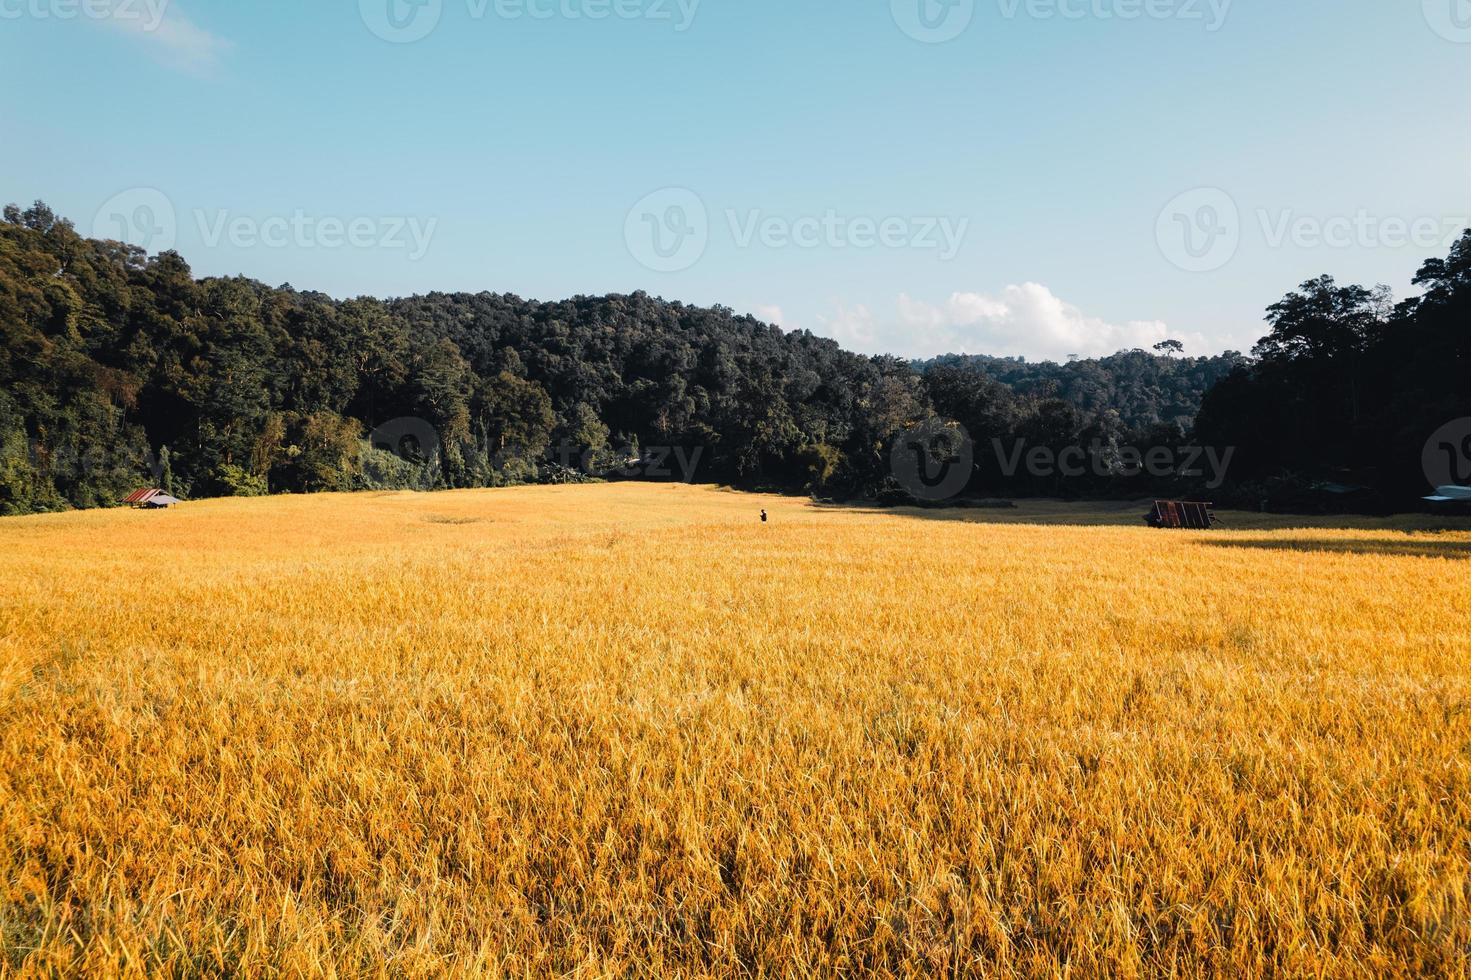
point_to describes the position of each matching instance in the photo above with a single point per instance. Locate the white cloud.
(1025, 320)
(856, 329)
(170, 36)
(773, 314)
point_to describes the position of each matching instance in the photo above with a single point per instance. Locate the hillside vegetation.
(119, 368)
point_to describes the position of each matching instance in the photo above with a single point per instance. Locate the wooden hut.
(1188, 515)
(150, 498)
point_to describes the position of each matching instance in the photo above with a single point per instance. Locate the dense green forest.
(1349, 386)
(120, 369)
(1144, 389)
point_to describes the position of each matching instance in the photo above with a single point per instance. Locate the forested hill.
(111, 356)
(118, 367)
(1143, 388)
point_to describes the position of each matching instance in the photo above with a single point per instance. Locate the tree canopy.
(119, 368)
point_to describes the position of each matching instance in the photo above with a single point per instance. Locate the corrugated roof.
(142, 496)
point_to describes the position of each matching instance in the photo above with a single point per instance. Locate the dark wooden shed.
(1181, 515)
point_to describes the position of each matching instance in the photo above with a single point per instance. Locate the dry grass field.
(631, 731)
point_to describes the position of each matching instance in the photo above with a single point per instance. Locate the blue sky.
(1034, 177)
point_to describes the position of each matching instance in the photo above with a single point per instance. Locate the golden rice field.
(628, 730)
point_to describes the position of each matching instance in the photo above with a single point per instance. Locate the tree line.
(120, 368)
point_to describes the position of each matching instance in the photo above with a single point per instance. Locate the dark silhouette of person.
(763, 517)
